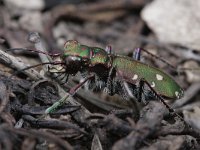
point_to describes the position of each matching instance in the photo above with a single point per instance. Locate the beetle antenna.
(33, 66)
(33, 50)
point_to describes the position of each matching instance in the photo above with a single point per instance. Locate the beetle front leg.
(71, 92)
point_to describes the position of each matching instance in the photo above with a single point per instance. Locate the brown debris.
(89, 120)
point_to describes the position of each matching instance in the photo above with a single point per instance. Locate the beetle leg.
(109, 82)
(121, 86)
(126, 86)
(141, 87)
(71, 92)
(65, 78)
(108, 49)
(121, 89)
(163, 101)
(116, 85)
(137, 54)
(61, 77)
(143, 81)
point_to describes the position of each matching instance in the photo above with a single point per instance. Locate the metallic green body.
(162, 83)
(94, 55)
(74, 48)
(130, 70)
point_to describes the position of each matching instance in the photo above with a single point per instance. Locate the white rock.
(192, 75)
(193, 117)
(175, 21)
(19, 6)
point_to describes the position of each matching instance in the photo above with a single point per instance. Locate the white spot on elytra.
(177, 94)
(153, 84)
(159, 77)
(135, 77)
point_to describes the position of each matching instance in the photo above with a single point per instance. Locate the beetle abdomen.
(133, 71)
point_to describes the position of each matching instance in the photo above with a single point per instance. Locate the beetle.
(116, 74)
(106, 66)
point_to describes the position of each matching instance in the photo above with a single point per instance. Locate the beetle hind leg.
(143, 82)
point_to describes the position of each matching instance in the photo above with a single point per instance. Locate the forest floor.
(90, 120)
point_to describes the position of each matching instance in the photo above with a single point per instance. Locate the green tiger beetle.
(116, 74)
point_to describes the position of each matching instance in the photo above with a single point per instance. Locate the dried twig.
(4, 96)
(40, 134)
(189, 94)
(151, 117)
(18, 64)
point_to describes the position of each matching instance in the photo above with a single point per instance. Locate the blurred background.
(169, 29)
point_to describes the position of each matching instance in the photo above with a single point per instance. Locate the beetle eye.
(72, 60)
(73, 64)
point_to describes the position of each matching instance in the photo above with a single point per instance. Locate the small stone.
(174, 21)
(19, 7)
(192, 70)
(193, 117)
